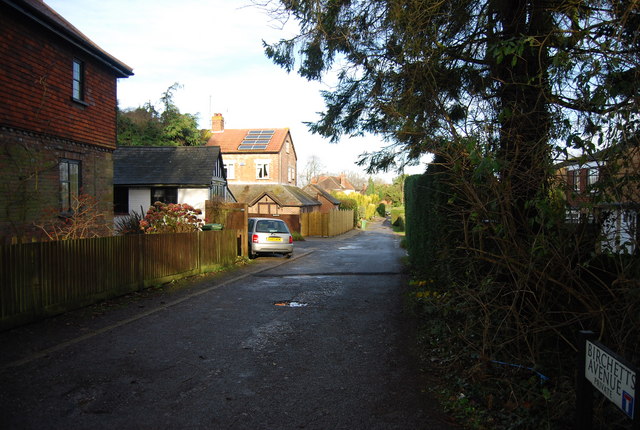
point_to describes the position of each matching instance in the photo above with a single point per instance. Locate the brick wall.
(246, 174)
(36, 85)
(279, 164)
(30, 182)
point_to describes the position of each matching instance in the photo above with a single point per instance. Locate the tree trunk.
(524, 117)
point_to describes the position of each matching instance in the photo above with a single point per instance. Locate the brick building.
(603, 189)
(57, 118)
(261, 170)
(255, 156)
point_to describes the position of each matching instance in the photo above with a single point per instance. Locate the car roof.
(267, 219)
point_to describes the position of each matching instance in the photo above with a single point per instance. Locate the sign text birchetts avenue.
(611, 377)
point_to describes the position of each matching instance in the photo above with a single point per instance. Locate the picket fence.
(47, 278)
(327, 224)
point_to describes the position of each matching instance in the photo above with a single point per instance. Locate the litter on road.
(290, 304)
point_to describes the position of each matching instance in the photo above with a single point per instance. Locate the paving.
(319, 341)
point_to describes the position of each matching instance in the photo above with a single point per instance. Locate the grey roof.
(165, 165)
(284, 195)
(48, 18)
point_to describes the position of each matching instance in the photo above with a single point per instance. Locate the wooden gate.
(233, 216)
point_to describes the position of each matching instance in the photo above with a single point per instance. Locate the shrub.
(86, 220)
(362, 206)
(381, 209)
(399, 223)
(171, 218)
(129, 224)
(397, 213)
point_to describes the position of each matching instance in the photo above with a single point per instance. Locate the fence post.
(584, 389)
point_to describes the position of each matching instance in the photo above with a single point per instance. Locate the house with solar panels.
(261, 170)
(255, 156)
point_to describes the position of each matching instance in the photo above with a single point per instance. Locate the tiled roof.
(284, 195)
(334, 183)
(230, 139)
(48, 18)
(164, 165)
(313, 189)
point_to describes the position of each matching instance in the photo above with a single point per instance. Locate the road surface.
(316, 342)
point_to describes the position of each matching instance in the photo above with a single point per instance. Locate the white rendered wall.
(139, 197)
(194, 197)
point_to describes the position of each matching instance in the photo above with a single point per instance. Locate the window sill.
(80, 102)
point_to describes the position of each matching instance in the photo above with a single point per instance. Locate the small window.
(262, 170)
(164, 195)
(78, 80)
(229, 171)
(69, 184)
(593, 176)
(574, 178)
(121, 200)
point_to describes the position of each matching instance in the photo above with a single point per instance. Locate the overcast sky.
(214, 49)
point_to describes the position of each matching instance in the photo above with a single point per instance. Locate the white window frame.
(263, 171)
(593, 176)
(575, 179)
(230, 169)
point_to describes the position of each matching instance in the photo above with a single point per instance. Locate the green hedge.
(426, 223)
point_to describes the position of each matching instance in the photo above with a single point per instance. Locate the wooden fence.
(328, 224)
(47, 278)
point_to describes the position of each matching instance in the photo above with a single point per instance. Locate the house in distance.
(261, 170)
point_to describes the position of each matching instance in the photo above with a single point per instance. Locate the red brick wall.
(36, 84)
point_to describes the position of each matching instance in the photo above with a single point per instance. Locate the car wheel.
(289, 255)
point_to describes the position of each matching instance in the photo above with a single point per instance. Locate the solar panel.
(256, 139)
(245, 146)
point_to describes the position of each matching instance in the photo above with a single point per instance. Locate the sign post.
(610, 374)
(584, 389)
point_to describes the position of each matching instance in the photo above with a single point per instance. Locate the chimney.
(217, 123)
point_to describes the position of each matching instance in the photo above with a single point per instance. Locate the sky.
(213, 48)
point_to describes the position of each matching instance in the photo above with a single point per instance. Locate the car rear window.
(265, 226)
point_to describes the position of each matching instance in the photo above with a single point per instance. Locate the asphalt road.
(317, 342)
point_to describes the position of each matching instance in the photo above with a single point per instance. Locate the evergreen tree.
(523, 79)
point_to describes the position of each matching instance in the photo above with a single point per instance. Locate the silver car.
(269, 235)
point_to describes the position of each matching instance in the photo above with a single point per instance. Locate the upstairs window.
(262, 170)
(593, 176)
(574, 180)
(229, 171)
(78, 80)
(69, 184)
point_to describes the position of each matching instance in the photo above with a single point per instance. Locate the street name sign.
(610, 375)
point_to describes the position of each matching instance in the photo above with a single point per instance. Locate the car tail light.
(254, 238)
(290, 239)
